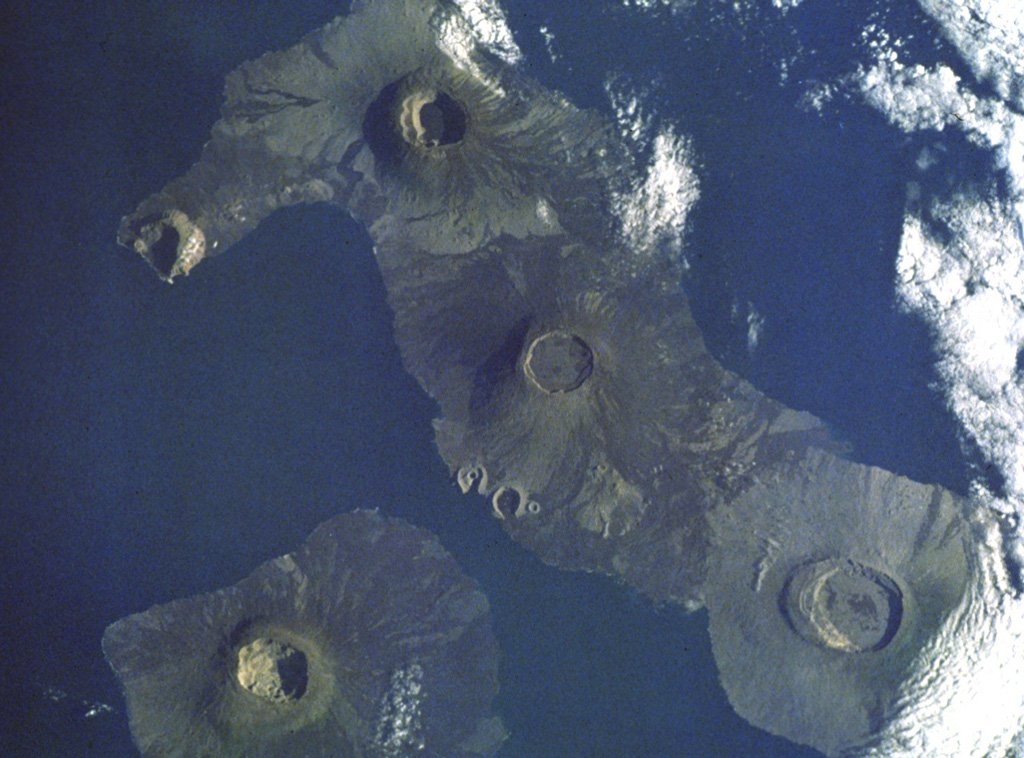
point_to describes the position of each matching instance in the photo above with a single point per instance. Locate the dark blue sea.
(162, 441)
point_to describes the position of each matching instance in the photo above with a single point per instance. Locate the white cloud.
(960, 267)
(479, 25)
(489, 27)
(990, 36)
(967, 280)
(755, 326)
(653, 208)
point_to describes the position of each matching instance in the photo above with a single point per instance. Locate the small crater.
(506, 501)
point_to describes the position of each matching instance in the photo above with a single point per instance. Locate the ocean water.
(161, 441)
